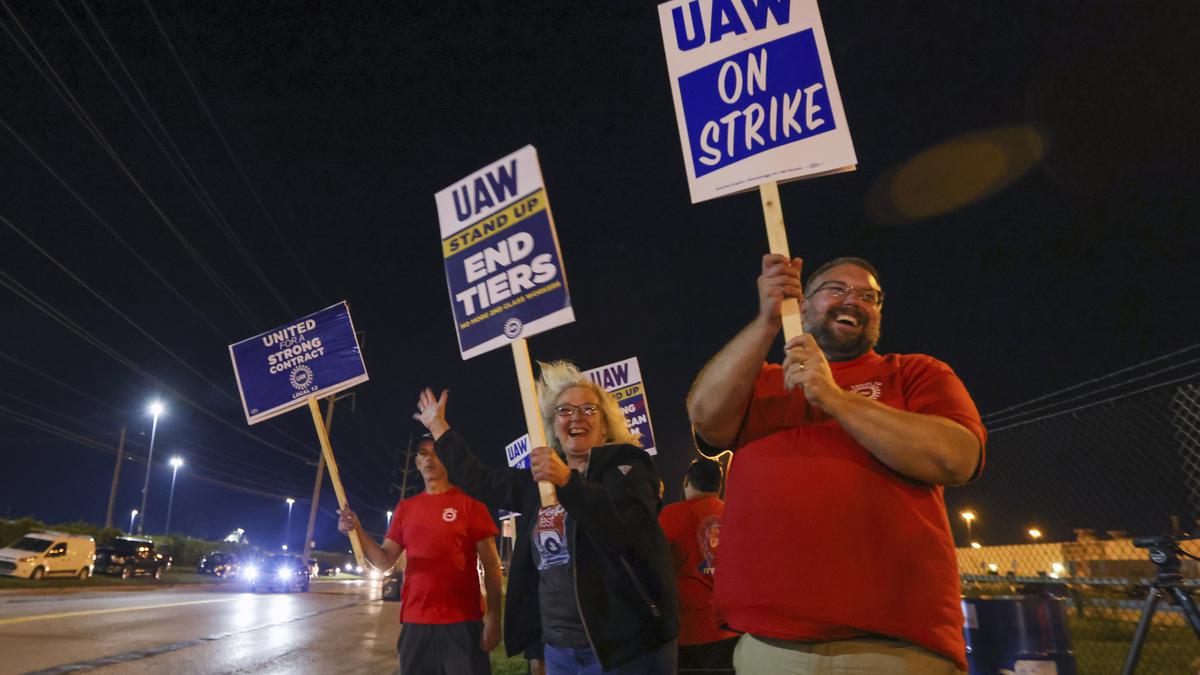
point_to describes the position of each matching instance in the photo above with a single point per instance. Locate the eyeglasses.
(837, 291)
(566, 409)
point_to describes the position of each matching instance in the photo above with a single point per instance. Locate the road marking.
(140, 654)
(90, 612)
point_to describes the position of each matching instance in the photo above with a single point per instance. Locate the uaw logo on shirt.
(871, 390)
(708, 537)
(449, 515)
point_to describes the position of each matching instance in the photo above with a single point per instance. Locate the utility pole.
(407, 468)
(112, 495)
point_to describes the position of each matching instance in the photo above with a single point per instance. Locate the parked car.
(49, 554)
(219, 564)
(279, 571)
(392, 583)
(127, 557)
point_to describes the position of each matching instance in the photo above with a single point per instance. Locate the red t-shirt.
(693, 527)
(438, 534)
(822, 541)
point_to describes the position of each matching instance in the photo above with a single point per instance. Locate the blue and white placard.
(623, 380)
(504, 269)
(755, 95)
(279, 370)
(517, 453)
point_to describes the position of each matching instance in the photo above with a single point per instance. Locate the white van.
(49, 554)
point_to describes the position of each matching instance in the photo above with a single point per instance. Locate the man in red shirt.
(693, 528)
(443, 532)
(835, 545)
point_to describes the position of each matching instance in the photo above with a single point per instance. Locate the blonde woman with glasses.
(591, 576)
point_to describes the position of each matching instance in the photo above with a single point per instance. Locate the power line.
(1085, 383)
(129, 247)
(194, 184)
(25, 294)
(229, 149)
(46, 70)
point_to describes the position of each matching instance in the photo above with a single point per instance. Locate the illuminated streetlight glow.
(976, 544)
(1035, 533)
(389, 519)
(175, 463)
(969, 517)
(132, 514)
(156, 408)
(287, 529)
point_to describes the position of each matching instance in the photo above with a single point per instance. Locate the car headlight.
(283, 574)
(348, 567)
(251, 573)
(358, 569)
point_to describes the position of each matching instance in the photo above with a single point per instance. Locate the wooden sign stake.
(327, 452)
(533, 415)
(777, 239)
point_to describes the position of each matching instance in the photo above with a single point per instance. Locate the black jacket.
(621, 562)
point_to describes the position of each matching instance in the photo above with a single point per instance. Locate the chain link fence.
(1072, 481)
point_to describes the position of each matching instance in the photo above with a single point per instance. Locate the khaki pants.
(765, 656)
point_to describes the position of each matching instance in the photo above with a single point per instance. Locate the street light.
(287, 530)
(976, 544)
(389, 520)
(1035, 533)
(156, 409)
(176, 462)
(968, 516)
(132, 514)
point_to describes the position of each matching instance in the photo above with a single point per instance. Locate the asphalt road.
(337, 627)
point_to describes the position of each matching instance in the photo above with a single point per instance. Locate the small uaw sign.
(623, 380)
(755, 95)
(504, 269)
(517, 453)
(312, 357)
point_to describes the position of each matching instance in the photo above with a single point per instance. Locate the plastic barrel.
(1020, 634)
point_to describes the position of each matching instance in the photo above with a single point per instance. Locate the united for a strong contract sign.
(313, 356)
(503, 265)
(755, 95)
(623, 380)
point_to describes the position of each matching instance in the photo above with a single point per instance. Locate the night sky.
(179, 179)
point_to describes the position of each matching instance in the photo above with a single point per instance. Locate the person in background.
(445, 534)
(693, 527)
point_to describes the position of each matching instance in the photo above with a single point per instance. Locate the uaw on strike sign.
(279, 370)
(503, 266)
(755, 95)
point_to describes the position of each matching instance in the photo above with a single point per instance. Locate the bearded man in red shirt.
(835, 544)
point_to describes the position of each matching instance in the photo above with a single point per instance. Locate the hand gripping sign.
(756, 101)
(504, 270)
(295, 365)
(623, 380)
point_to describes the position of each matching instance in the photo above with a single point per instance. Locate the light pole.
(287, 530)
(156, 409)
(176, 462)
(969, 517)
(132, 514)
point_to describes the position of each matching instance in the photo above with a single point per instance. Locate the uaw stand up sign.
(756, 102)
(504, 269)
(296, 364)
(623, 380)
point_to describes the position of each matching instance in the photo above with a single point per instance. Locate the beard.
(839, 347)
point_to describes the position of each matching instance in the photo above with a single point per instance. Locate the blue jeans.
(583, 661)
